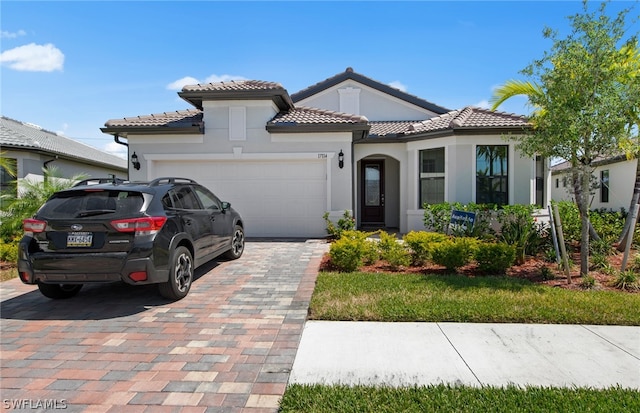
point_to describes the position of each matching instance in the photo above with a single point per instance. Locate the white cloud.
(484, 104)
(188, 80)
(116, 149)
(12, 35)
(34, 58)
(223, 78)
(396, 84)
(180, 83)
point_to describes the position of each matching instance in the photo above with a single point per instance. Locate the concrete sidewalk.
(406, 354)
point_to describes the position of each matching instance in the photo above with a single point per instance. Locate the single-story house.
(346, 143)
(613, 180)
(33, 148)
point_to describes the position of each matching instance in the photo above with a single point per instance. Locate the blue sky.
(71, 66)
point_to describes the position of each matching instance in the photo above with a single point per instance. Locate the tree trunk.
(581, 179)
(627, 231)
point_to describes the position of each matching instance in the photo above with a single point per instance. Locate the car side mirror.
(226, 206)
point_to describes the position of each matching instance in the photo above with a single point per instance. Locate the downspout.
(45, 166)
(116, 138)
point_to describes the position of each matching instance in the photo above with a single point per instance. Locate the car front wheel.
(237, 244)
(180, 275)
(57, 291)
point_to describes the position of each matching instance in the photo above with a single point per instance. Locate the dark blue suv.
(103, 230)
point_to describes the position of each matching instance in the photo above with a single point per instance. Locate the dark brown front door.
(372, 192)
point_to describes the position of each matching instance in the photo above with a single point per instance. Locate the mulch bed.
(531, 270)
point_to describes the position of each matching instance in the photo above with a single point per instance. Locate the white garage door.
(275, 198)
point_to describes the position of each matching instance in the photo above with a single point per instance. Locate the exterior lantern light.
(341, 159)
(135, 162)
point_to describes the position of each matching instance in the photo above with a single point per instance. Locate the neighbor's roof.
(19, 135)
(470, 119)
(180, 121)
(349, 74)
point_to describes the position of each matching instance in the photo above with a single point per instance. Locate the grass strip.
(445, 398)
(457, 298)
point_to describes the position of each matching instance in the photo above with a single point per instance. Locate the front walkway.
(228, 346)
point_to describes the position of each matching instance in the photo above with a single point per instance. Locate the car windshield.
(90, 203)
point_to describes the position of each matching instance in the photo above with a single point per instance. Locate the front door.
(372, 205)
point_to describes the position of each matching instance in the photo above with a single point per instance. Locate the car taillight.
(33, 225)
(140, 226)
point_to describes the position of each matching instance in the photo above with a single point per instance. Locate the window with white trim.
(432, 176)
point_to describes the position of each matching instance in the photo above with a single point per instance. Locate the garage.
(276, 197)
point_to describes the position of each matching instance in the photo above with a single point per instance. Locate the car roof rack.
(171, 180)
(96, 181)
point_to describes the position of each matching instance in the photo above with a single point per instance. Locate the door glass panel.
(372, 185)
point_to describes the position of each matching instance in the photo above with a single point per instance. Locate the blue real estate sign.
(462, 220)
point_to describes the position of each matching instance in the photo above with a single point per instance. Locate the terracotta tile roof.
(237, 89)
(350, 74)
(304, 115)
(469, 118)
(234, 85)
(180, 118)
(390, 128)
(18, 134)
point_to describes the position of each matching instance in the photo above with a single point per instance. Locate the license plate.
(79, 239)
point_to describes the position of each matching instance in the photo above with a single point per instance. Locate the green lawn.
(442, 398)
(458, 298)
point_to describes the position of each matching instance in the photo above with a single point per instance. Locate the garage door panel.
(286, 198)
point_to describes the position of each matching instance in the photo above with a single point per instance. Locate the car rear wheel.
(237, 244)
(180, 275)
(57, 291)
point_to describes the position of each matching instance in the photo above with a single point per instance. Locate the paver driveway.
(228, 346)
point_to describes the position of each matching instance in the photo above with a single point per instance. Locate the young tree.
(582, 94)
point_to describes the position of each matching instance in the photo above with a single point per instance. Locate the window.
(492, 179)
(431, 176)
(540, 181)
(208, 200)
(604, 186)
(557, 183)
(7, 181)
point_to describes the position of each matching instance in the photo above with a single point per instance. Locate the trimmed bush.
(393, 252)
(453, 254)
(494, 258)
(352, 250)
(420, 244)
(9, 251)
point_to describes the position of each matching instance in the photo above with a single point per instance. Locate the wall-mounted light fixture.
(135, 162)
(341, 159)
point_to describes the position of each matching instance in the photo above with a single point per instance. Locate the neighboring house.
(613, 181)
(33, 148)
(346, 143)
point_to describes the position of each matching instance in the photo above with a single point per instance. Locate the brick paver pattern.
(227, 347)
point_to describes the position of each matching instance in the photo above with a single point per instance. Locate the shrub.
(437, 217)
(346, 223)
(352, 250)
(627, 280)
(9, 251)
(494, 258)
(518, 228)
(392, 251)
(420, 244)
(453, 254)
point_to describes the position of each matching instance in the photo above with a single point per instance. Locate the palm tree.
(8, 164)
(32, 194)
